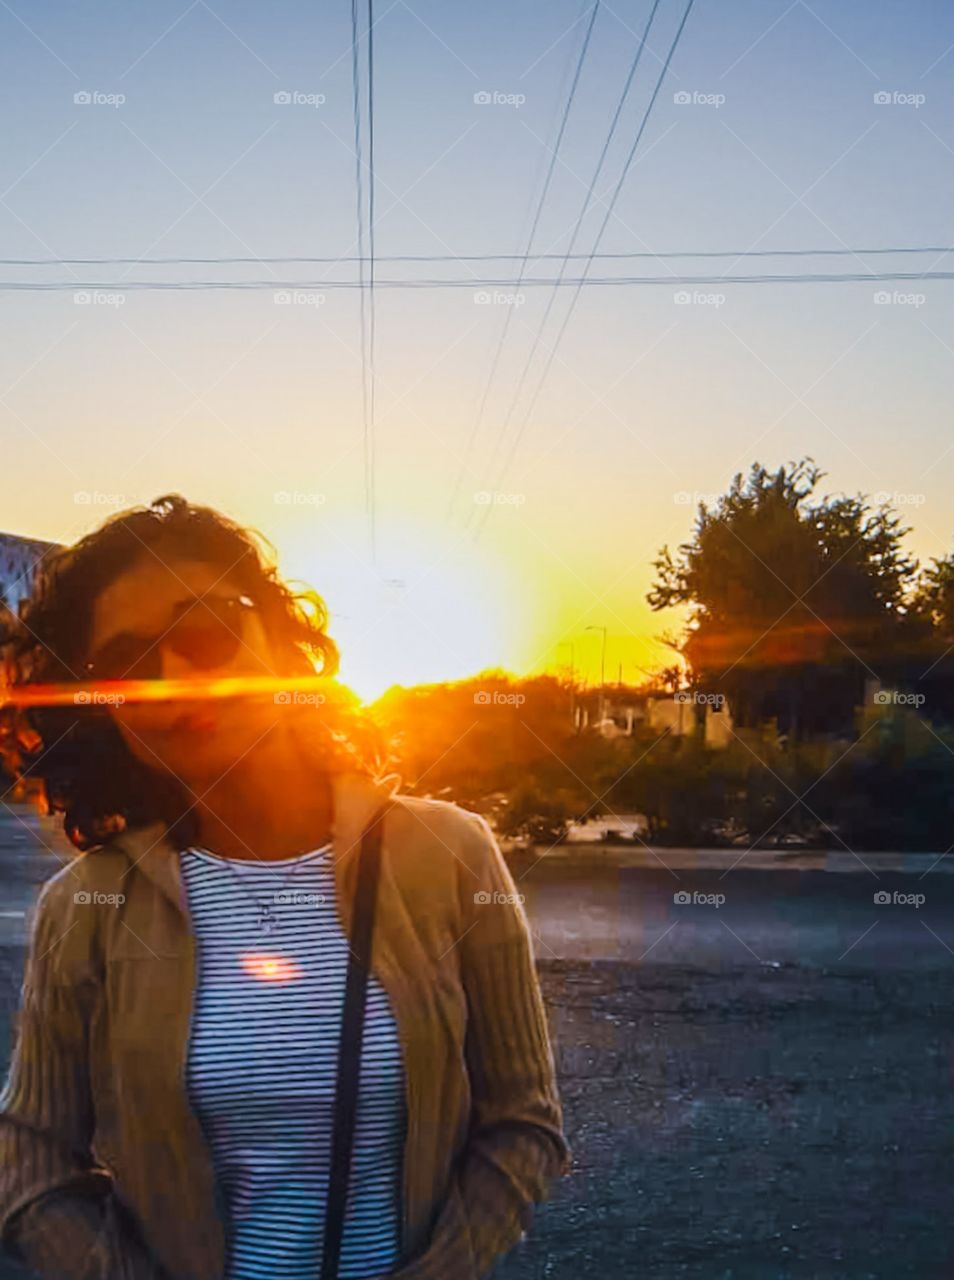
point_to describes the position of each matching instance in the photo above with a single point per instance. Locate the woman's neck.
(273, 803)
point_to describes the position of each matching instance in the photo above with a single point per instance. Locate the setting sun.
(433, 608)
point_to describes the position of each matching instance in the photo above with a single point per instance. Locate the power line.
(611, 133)
(468, 282)
(465, 461)
(596, 244)
(345, 259)
(359, 210)
(610, 207)
(371, 282)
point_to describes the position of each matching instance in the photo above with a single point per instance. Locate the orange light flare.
(267, 966)
(194, 689)
(773, 646)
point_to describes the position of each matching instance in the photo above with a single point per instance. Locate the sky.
(508, 535)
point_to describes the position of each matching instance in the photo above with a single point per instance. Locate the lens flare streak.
(110, 692)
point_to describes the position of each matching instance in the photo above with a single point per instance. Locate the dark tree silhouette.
(794, 601)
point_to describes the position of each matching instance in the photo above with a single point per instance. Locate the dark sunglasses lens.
(127, 659)
(207, 637)
(206, 647)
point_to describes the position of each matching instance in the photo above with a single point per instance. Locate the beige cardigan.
(96, 1103)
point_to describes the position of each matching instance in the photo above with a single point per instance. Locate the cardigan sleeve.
(516, 1142)
(57, 1211)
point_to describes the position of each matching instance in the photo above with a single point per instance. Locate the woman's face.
(195, 740)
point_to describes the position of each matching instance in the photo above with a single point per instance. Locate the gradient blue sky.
(231, 399)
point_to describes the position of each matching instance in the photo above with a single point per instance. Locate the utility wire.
(371, 283)
(371, 274)
(611, 133)
(359, 203)
(468, 282)
(663, 254)
(596, 244)
(465, 461)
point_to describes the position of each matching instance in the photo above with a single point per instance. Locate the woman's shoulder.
(85, 880)
(68, 911)
(444, 815)
(439, 832)
(98, 871)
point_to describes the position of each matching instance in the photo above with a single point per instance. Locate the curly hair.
(78, 755)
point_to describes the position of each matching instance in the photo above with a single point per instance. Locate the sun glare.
(429, 610)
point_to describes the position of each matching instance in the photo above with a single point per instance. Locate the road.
(755, 1089)
(714, 919)
(710, 908)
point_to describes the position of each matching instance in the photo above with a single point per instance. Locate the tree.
(933, 605)
(794, 601)
(540, 816)
(934, 597)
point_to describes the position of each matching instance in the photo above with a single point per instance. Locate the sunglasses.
(206, 632)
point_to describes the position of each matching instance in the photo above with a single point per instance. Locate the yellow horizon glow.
(437, 607)
(428, 611)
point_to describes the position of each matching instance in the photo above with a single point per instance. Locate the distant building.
(682, 715)
(615, 715)
(621, 828)
(672, 713)
(19, 558)
(719, 730)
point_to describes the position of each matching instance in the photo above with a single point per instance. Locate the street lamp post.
(569, 645)
(602, 703)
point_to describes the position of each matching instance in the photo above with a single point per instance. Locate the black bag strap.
(352, 1035)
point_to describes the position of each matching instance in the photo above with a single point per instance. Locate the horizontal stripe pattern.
(262, 1065)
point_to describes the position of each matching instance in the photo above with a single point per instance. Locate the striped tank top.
(262, 1061)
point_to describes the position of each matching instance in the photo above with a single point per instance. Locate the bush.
(539, 816)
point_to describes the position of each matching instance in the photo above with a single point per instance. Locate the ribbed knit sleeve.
(516, 1143)
(56, 1211)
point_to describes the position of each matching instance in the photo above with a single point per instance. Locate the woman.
(176, 1087)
